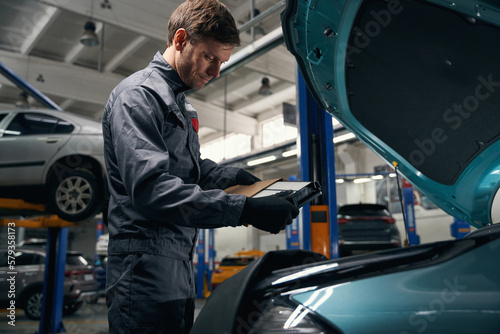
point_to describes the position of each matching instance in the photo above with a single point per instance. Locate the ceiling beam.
(282, 92)
(145, 17)
(44, 21)
(86, 85)
(133, 46)
(61, 79)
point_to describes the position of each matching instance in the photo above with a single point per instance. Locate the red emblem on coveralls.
(196, 124)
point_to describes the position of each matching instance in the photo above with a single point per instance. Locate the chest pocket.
(174, 120)
(176, 138)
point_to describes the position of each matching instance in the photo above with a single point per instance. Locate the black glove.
(245, 178)
(270, 213)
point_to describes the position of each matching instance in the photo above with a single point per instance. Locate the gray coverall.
(161, 191)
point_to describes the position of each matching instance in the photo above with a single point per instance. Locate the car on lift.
(230, 265)
(28, 273)
(366, 227)
(54, 158)
(417, 82)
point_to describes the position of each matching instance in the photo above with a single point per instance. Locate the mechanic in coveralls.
(161, 191)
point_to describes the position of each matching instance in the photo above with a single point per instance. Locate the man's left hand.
(245, 178)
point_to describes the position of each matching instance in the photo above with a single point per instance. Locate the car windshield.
(364, 210)
(76, 260)
(236, 261)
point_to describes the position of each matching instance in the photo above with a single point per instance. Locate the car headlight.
(282, 316)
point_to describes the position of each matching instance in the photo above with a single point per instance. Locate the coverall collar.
(170, 75)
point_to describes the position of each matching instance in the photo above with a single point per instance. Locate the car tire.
(33, 304)
(75, 196)
(69, 309)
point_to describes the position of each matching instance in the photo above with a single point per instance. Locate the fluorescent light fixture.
(362, 180)
(377, 177)
(344, 137)
(261, 160)
(339, 180)
(289, 153)
(392, 175)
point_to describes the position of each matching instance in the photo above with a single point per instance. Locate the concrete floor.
(90, 319)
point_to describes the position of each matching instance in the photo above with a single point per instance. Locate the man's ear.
(180, 39)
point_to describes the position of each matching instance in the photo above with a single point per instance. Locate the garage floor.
(90, 319)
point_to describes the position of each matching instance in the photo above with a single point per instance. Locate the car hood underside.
(418, 82)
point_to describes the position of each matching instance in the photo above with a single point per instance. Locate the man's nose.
(214, 70)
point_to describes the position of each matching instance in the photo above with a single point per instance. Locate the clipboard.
(303, 192)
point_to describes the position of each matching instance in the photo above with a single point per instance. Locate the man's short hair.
(202, 19)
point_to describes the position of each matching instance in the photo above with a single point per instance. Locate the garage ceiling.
(39, 40)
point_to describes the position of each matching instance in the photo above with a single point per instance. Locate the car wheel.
(69, 309)
(33, 305)
(75, 196)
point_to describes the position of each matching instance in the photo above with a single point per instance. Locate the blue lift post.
(292, 230)
(200, 268)
(211, 258)
(52, 304)
(51, 322)
(459, 228)
(409, 207)
(317, 163)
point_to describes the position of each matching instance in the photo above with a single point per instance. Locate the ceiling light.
(362, 180)
(344, 137)
(265, 89)
(261, 160)
(392, 175)
(89, 37)
(339, 180)
(377, 177)
(289, 153)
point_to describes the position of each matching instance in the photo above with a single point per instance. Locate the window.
(236, 261)
(35, 123)
(76, 260)
(26, 259)
(275, 131)
(234, 145)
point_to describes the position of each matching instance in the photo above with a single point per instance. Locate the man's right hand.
(270, 213)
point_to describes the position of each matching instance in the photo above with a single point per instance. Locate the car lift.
(57, 237)
(317, 163)
(52, 302)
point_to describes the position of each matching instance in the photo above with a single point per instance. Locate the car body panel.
(53, 158)
(465, 291)
(447, 286)
(27, 159)
(417, 82)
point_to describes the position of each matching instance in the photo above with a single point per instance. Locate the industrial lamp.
(265, 89)
(89, 37)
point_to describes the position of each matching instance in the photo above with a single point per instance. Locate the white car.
(55, 158)
(101, 247)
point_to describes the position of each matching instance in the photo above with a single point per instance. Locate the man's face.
(197, 64)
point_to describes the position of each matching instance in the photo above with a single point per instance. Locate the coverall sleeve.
(143, 162)
(215, 176)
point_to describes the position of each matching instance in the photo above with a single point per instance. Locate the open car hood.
(418, 82)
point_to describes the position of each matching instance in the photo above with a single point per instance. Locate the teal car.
(418, 81)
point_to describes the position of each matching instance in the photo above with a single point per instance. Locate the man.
(161, 191)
